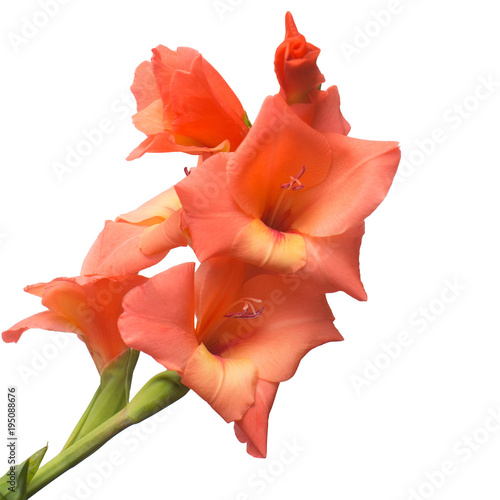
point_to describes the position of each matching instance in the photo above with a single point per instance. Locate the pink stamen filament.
(248, 310)
(294, 185)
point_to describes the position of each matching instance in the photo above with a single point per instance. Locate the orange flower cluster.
(274, 213)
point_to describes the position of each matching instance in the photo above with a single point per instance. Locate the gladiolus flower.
(138, 239)
(290, 200)
(252, 331)
(184, 104)
(87, 306)
(295, 65)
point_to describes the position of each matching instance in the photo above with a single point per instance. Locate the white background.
(437, 226)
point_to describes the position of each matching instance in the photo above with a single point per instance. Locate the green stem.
(158, 393)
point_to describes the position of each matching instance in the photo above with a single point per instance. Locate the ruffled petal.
(163, 237)
(213, 217)
(296, 318)
(150, 119)
(155, 210)
(327, 116)
(46, 320)
(252, 428)
(227, 385)
(144, 87)
(358, 180)
(158, 317)
(205, 108)
(333, 262)
(117, 251)
(277, 148)
(93, 304)
(165, 142)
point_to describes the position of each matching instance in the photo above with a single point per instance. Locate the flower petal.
(165, 142)
(261, 246)
(228, 385)
(360, 176)
(144, 87)
(163, 237)
(296, 318)
(116, 251)
(150, 119)
(252, 428)
(93, 304)
(158, 317)
(277, 147)
(213, 217)
(157, 209)
(333, 262)
(46, 320)
(205, 108)
(327, 114)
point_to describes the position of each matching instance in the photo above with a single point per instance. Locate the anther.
(248, 310)
(294, 183)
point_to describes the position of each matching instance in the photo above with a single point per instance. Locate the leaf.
(13, 485)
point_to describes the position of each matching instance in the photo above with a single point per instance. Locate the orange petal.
(117, 252)
(228, 385)
(333, 262)
(158, 317)
(252, 428)
(213, 217)
(296, 318)
(163, 237)
(165, 142)
(93, 305)
(276, 148)
(218, 284)
(327, 114)
(205, 108)
(360, 176)
(150, 119)
(144, 87)
(155, 210)
(261, 246)
(166, 62)
(46, 320)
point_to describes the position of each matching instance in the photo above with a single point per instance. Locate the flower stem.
(158, 393)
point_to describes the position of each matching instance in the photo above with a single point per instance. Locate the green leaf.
(13, 486)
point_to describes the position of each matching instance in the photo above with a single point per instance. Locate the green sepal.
(112, 395)
(248, 123)
(24, 473)
(158, 393)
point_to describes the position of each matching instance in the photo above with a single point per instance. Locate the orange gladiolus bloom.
(184, 104)
(252, 331)
(89, 307)
(291, 199)
(138, 239)
(295, 65)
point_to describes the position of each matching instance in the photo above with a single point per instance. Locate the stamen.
(187, 171)
(248, 310)
(294, 183)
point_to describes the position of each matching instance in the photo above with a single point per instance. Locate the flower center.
(279, 217)
(248, 309)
